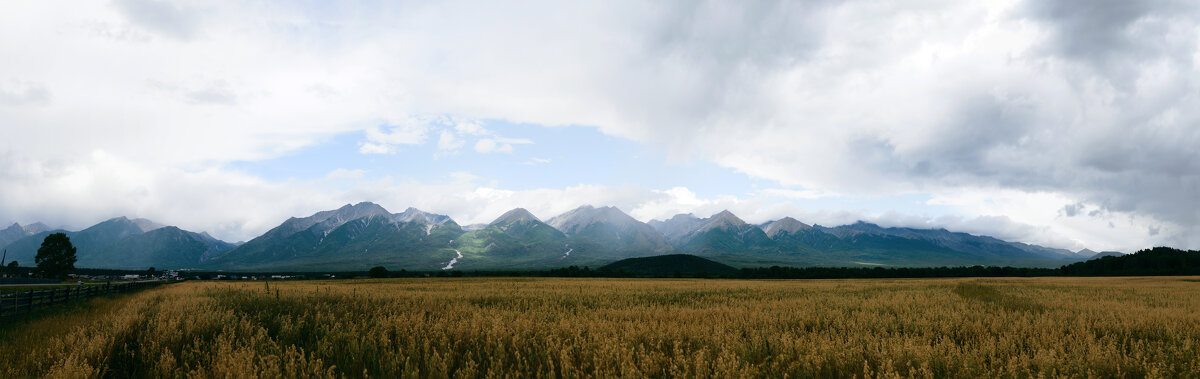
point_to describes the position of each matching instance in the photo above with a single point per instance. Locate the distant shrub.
(378, 272)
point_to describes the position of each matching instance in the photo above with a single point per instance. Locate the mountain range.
(359, 236)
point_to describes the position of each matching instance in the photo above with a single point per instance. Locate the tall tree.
(56, 257)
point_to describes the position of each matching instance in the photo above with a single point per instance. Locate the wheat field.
(520, 327)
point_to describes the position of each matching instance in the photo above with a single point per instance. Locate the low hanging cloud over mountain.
(1071, 123)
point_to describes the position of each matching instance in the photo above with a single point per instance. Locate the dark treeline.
(1156, 261)
(1148, 262)
(777, 272)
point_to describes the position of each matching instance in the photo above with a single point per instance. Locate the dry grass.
(1072, 327)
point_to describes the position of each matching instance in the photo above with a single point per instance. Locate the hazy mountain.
(515, 240)
(126, 243)
(163, 248)
(1105, 254)
(607, 232)
(424, 218)
(784, 225)
(17, 231)
(358, 236)
(725, 234)
(802, 243)
(349, 238)
(676, 227)
(982, 248)
(92, 240)
(297, 236)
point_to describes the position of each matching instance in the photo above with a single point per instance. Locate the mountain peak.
(585, 215)
(864, 226)
(363, 209)
(36, 227)
(517, 215)
(677, 226)
(146, 225)
(142, 224)
(786, 224)
(421, 217)
(722, 220)
(725, 217)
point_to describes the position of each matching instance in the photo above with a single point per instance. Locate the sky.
(1071, 124)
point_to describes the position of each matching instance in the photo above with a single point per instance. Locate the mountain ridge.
(365, 234)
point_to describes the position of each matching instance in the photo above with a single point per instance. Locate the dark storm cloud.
(1092, 29)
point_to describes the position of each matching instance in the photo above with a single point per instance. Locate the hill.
(1156, 261)
(671, 265)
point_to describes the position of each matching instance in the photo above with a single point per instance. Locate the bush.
(378, 272)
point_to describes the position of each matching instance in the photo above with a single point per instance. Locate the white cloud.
(342, 173)
(798, 194)
(1022, 98)
(372, 148)
(79, 194)
(16, 92)
(384, 138)
(470, 127)
(163, 17)
(488, 145)
(448, 143)
(535, 161)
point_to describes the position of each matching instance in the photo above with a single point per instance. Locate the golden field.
(519, 327)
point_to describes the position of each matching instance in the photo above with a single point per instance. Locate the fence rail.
(26, 301)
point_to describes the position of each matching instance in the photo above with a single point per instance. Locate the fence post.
(29, 307)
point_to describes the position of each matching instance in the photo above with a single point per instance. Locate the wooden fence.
(26, 301)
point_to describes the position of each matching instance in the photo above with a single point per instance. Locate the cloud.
(448, 143)
(498, 144)
(342, 173)
(488, 145)
(798, 194)
(167, 18)
(1076, 102)
(375, 148)
(16, 93)
(536, 161)
(384, 138)
(211, 92)
(1071, 210)
(80, 193)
